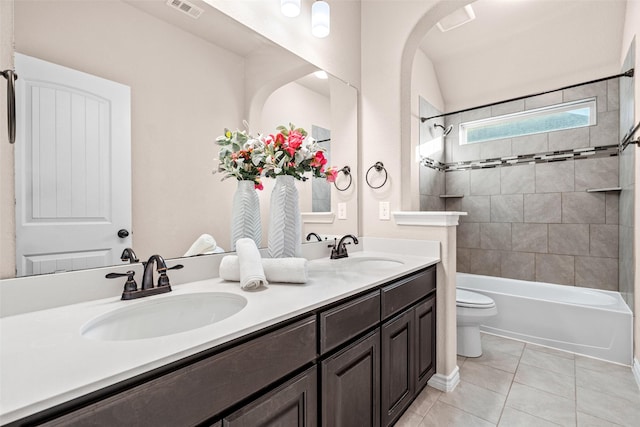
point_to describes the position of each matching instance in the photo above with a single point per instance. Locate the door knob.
(122, 233)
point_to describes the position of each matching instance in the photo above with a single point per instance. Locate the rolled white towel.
(251, 272)
(203, 244)
(281, 270)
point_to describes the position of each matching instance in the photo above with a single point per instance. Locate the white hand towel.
(251, 273)
(203, 244)
(281, 270)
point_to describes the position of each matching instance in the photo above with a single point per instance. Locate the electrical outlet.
(342, 210)
(384, 211)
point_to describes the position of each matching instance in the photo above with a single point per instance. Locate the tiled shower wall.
(431, 147)
(536, 221)
(627, 183)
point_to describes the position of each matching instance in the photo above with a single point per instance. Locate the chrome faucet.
(339, 250)
(131, 290)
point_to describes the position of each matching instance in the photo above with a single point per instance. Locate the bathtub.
(590, 322)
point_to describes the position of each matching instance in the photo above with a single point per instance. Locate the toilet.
(472, 309)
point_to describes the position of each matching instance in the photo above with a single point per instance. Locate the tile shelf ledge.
(451, 196)
(603, 190)
(427, 218)
(317, 217)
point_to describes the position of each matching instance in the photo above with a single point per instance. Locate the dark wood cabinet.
(293, 404)
(351, 385)
(397, 377)
(425, 342)
(358, 362)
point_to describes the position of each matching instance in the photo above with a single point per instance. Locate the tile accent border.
(548, 157)
(636, 370)
(445, 383)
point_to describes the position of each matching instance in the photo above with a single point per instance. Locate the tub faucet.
(339, 250)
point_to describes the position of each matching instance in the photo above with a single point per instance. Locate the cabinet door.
(294, 404)
(425, 348)
(351, 385)
(398, 380)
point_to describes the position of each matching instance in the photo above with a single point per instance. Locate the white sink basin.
(366, 263)
(163, 316)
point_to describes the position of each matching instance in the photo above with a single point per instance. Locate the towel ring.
(378, 166)
(11, 77)
(347, 171)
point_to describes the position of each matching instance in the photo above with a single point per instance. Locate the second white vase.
(284, 219)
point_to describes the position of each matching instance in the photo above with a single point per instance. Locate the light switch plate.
(342, 210)
(384, 211)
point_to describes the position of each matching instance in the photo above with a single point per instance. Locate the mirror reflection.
(187, 79)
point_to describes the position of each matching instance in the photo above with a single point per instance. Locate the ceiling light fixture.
(320, 19)
(290, 8)
(321, 74)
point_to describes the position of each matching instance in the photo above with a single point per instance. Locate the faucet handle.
(130, 285)
(163, 279)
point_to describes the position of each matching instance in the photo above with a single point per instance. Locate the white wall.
(424, 83)
(631, 30)
(338, 54)
(182, 98)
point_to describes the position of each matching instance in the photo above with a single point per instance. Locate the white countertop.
(44, 361)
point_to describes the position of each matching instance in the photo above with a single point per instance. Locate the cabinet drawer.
(193, 394)
(347, 320)
(405, 292)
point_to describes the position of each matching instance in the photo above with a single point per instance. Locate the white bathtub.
(585, 321)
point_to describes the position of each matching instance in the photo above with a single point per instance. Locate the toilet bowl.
(472, 309)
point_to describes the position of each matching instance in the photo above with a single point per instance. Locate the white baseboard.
(636, 370)
(446, 383)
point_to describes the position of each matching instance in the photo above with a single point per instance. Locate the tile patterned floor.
(514, 384)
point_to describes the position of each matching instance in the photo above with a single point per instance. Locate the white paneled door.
(73, 168)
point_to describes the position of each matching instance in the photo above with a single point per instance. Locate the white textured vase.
(245, 214)
(284, 219)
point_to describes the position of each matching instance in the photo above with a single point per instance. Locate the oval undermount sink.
(163, 316)
(370, 262)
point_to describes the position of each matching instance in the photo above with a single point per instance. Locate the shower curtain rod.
(628, 73)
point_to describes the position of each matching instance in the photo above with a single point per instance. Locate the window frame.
(590, 103)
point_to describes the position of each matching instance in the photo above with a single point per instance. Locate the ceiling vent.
(457, 18)
(186, 8)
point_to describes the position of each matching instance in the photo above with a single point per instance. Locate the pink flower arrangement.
(292, 152)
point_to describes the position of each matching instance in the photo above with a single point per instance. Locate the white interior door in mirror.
(73, 168)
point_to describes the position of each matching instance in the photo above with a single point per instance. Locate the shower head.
(446, 131)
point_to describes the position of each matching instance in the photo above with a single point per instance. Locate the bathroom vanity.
(350, 347)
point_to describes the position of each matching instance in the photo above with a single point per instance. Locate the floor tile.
(425, 400)
(541, 404)
(478, 401)
(601, 405)
(442, 415)
(504, 345)
(602, 366)
(610, 383)
(547, 361)
(496, 359)
(409, 419)
(487, 377)
(586, 420)
(514, 418)
(552, 382)
(555, 352)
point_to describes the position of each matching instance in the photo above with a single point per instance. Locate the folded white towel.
(251, 272)
(281, 270)
(203, 245)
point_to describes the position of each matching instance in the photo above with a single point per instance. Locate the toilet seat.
(473, 300)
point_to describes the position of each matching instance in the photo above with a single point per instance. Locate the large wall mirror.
(185, 79)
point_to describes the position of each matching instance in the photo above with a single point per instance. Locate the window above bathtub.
(568, 115)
